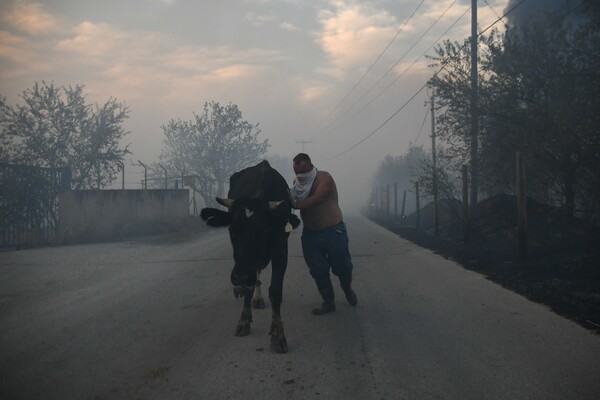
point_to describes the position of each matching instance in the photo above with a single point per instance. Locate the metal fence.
(29, 201)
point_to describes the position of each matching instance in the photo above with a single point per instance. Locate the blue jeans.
(327, 248)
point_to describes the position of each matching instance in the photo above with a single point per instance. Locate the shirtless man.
(324, 236)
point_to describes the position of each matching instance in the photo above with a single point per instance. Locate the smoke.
(530, 11)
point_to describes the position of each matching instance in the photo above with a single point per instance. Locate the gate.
(29, 198)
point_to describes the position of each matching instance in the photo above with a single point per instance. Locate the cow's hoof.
(279, 344)
(242, 329)
(258, 303)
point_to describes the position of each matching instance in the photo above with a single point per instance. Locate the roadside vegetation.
(538, 95)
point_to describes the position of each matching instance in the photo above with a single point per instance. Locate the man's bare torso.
(327, 213)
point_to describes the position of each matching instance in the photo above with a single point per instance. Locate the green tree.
(212, 147)
(538, 87)
(546, 104)
(56, 128)
(452, 95)
(401, 171)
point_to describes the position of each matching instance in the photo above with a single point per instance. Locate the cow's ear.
(214, 217)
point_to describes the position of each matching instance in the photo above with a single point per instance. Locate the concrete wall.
(93, 215)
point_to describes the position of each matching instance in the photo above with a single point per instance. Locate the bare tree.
(56, 128)
(211, 147)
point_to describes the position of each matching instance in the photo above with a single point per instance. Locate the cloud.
(239, 71)
(255, 19)
(287, 26)
(352, 34)
(147, 68)
(32, 19)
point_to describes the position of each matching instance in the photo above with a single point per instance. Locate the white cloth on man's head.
(303, 184)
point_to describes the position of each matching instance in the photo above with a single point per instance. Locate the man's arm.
(322, 192)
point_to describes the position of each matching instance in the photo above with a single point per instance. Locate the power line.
(382, 125)
(444, 63)
(407, 69)
(422, 125)
(390, 69)
(372, 65)
(492, 8)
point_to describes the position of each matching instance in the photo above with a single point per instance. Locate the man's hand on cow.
(292, 199)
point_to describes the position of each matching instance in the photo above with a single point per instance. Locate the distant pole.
(387, 199)
(521, 207)
(395, 200)
(145, 175)
(122, 165)
(304, 143)
(98, 175)
(474, 106)
(195, 207)
(375, 198)
(403, 204)
(418, 204)
(465, 201)
(436, 207)
(166, 179)
(180, 173)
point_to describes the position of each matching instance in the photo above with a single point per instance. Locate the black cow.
(259, 220)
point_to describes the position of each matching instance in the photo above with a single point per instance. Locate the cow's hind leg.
(257, 298)
(243, 325)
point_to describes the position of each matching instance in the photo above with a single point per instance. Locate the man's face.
(301, 167)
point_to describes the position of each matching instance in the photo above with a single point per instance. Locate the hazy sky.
(287, 64)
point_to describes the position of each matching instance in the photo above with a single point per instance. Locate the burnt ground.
(562, 268)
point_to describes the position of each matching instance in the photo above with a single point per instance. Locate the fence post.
(65, 178)
(387, 199)
(465, 203)
(521, 207)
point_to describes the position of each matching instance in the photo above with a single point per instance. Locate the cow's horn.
(225, 202)
(274, 204)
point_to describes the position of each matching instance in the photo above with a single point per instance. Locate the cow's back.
(260, 182)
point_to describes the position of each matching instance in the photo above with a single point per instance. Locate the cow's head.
(252, 224)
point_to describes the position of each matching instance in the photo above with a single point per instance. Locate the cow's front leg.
(257, 298)
(278, 340)
(243, 325)
(279, 265)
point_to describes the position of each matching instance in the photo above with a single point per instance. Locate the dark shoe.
(324, 309)
(351, 297)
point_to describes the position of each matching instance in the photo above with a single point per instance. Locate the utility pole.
(303, 142)
(474, 106)
(436, 207)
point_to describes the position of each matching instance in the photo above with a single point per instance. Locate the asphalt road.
(154, 319)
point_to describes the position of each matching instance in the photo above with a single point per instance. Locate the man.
(324, 236)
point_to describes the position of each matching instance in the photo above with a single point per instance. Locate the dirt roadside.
(562, 270)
